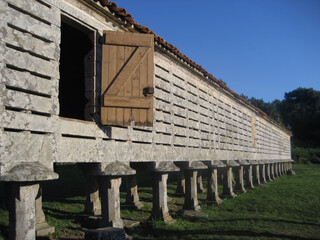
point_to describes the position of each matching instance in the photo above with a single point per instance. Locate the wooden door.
(127, 79)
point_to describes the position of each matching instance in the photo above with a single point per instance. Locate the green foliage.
(299, 111)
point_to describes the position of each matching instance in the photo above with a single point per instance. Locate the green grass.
(286, 208)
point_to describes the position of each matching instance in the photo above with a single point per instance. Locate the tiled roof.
(129, 20)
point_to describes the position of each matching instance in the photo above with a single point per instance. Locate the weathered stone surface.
(248, 177)
(25, 172)
(227, 182)
(166, 167)
(110, 201)
(108, 233)
(132, 198)
(213, 194)
(22, 210)
(118, 169)
(200, 184)
(160, 200)
(191, 195)
(217, 164)
(197, 165)
(239, 178)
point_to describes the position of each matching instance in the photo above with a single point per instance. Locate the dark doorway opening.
(75, 45)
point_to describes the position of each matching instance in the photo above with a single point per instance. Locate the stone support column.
(248, 177)
(22, 185)
(22, 210)
(272, 170)
(110, 201)
(263, 172)
(181, 187)
(42, 227)
(132, 198)
(109, 188)
(268, 171)
(213, 194)
(160, 200)
(256, 173)
(92, 204)
(191, 196)
(200, 187)
(227, 179)
(276, 170)
(239, 179)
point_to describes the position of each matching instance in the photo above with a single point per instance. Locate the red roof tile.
(123, 15)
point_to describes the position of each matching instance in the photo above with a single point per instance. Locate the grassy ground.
(286, 208)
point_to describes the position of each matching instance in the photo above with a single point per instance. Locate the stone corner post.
(23, 188)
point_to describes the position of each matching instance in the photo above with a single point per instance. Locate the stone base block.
(43, 229)
(130, 223)
(291, 172)
(108, 233)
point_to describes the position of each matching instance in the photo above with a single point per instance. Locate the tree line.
(299, 111)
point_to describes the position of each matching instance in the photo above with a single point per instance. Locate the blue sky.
(261, 48)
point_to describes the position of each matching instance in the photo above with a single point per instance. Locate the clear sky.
(261, 48)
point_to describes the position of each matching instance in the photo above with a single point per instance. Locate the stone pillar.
(239, 180)
(268, 172)
(132, 198)
(93, 204)
(272, 171)
(263, 173)
(200, 187)
(213, 194)
(191, 196)
(256, 174)
(181, 187)
(248, 177)
(160, 200)
(22, 210)
(42, 227)
(276, 172)
(227, 182)
(110, 201)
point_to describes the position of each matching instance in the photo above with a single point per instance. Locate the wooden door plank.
(120, 60)
(128, 39)
(135, 93)
(127, 71)
(150, 78)
(130, 102)
(112, 71)
(128, 90)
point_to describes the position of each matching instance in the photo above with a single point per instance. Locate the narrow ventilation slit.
(12, 130)
(28, 91)
(140, 142)
(39, 133)
(27, 51)
(29, 14)
(77, 136)
(25, 70)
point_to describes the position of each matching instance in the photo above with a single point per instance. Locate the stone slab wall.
(193, 119)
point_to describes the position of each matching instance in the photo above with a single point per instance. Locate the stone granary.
(82, 82)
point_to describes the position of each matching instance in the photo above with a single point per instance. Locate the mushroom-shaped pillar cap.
(117, 169)
(261, 162)
(29, 172)
(166, 167)
(231, 163)
(253, 162)
(243, 162)
(217, 164)
(197, 165)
